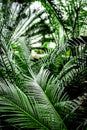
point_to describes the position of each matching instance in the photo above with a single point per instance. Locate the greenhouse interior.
(43, 64)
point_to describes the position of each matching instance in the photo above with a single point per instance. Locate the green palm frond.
(24, 22)
(40, 103)
(20, 107)
(16, 43)
(69, 16)
(70, 70)
(81, 114)
(34, 105)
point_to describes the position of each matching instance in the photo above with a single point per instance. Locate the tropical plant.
(49, 93)
(42, 91)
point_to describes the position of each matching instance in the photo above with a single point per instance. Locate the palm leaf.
(35, 103)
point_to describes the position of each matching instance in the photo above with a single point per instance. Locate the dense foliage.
(43, 88)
